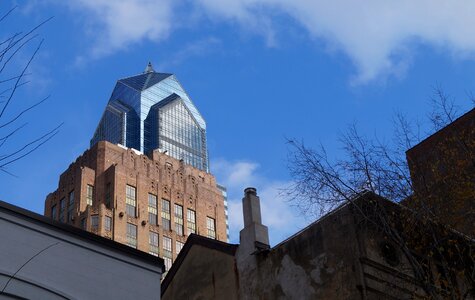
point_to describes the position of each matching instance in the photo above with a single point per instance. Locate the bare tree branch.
(10, 115)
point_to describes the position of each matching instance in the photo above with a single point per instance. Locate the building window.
(53, 212)
(89, 194)
(179, 246)
(83, 223)
(95, 222)
(211, 227)
(131, 235)
(130, 201)
(152, 209)
(179, 219)
(191, 221)
(107, 223)
(167, 252)
(71, 206)
(62, 207)
(153, 242)
(166, 214)
(108, 195)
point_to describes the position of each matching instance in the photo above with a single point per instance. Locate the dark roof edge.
(194, 239)
(443, 129)
(365, 194)
(143, 256)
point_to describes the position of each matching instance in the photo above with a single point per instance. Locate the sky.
(259, 71)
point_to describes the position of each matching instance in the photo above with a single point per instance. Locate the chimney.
(254, 237)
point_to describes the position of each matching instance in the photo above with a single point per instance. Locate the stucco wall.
(205, 274)
(317, 263)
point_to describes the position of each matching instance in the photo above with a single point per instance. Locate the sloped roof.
(143, 81)
(78, 233)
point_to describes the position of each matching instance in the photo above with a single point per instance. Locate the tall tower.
(152, 111)
(144, 181)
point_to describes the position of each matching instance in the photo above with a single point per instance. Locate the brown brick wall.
(443, 174)
(163, 176)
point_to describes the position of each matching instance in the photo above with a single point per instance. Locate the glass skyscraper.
(152, 111)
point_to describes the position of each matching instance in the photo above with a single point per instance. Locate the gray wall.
(53, 264)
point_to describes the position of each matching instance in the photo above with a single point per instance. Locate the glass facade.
(152, 111)
(225, 198)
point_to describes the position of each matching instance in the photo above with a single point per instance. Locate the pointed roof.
(149, 68)
(145, 80)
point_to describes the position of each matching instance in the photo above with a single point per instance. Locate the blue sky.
(258, 70)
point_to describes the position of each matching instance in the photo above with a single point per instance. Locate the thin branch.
(5, 138)
(8, 13)
(24, 111)
(18, 80)
(43, 139)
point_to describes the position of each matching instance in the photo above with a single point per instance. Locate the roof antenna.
(149, 68)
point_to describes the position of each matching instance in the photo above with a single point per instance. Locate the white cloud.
(198, 48)
(116, 25)
(281, 218)
(379, 36)
(375, 34)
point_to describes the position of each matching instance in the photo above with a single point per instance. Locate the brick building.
(145, 180)
(149, 203)
(443, 174)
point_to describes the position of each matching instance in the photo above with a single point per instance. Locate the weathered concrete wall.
(317, 263)
(205, 274)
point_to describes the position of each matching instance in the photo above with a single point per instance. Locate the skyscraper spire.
(149, 68)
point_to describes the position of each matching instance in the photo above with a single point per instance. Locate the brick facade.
(109, 168)
(443, 174)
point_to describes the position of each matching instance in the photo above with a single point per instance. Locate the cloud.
(277, 213)
(376, 35)
(380, 37)
(198, 48)
(116, 25)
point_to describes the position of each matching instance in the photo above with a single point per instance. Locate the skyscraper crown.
(152, 111)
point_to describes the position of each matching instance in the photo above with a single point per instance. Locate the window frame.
(191, 221)
(211, 227)
(89, 194)
(131, 201)
(178, 219)
(131, 235)
(166, 217)
(152, 209)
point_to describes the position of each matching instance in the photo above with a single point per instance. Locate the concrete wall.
(205, 274)
(317, 263)
(40, 261)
